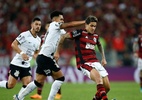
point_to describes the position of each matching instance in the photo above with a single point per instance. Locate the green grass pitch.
(84, 91)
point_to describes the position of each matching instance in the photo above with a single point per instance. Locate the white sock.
(3, 84)
(30, 87)
(21, 90)
(54, 89)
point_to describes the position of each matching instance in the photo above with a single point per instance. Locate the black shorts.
(19, 72)
(46, 65)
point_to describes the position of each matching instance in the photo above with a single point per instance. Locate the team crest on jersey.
(17, 73)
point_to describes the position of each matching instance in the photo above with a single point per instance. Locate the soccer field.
(85, 91)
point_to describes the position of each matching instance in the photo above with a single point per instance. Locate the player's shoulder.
(55, 24)
(25, 33)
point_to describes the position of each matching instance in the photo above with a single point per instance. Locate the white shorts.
(97, 66)
(140, 63)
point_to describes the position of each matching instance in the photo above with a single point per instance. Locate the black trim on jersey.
(18, 41)
(32, 34)
(79, 51)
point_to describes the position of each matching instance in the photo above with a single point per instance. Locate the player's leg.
(25, 76)
(8, 84)
(101, 92)
(95, 72)
(58, 95)
(106, 84)
(12, 78)
(38, 82)
(38, 94)
(59, 79)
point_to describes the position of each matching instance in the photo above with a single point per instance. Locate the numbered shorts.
(95, 65)
(46, 65)
(19, 72)
(140, 63)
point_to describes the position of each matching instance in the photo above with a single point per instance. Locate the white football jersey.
(28, 44)
(52, 37)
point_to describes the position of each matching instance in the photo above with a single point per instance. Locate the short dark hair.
(91, 19)
(36, 19)
(55, 14)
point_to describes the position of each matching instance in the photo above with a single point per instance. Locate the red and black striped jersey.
(140, 46)
(85, 46)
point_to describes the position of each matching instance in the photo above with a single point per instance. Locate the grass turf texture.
(84, 91)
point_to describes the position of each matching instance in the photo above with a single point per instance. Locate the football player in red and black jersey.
(87, 62)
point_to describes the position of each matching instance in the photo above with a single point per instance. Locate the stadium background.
(119, 22)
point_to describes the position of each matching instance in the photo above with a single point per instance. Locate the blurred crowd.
(119, 22)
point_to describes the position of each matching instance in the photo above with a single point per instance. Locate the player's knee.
(61, 78)
(10, 85)
(37, 84)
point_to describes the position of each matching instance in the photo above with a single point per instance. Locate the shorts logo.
(16, 73)
(47, 71)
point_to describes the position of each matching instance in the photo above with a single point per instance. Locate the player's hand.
(103, 62)
(56, 56)
(25, 57)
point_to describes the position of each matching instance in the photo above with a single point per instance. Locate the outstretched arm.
(72, 24)
(60, 44)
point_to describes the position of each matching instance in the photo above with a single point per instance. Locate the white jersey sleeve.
(21, 38)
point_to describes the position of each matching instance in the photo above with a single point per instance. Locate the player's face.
(36, 26)
(60, 19)
(91, 27)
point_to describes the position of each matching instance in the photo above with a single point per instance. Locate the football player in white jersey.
(46, 61)
(26, 45)
(40, 89)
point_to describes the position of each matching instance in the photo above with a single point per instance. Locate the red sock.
(101, 93)
(39, 91)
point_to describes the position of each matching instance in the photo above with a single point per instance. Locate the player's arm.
(39, 48)
(101, 50)
(72, 24)
(15, 47)
(36, 54)
(60, 45)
